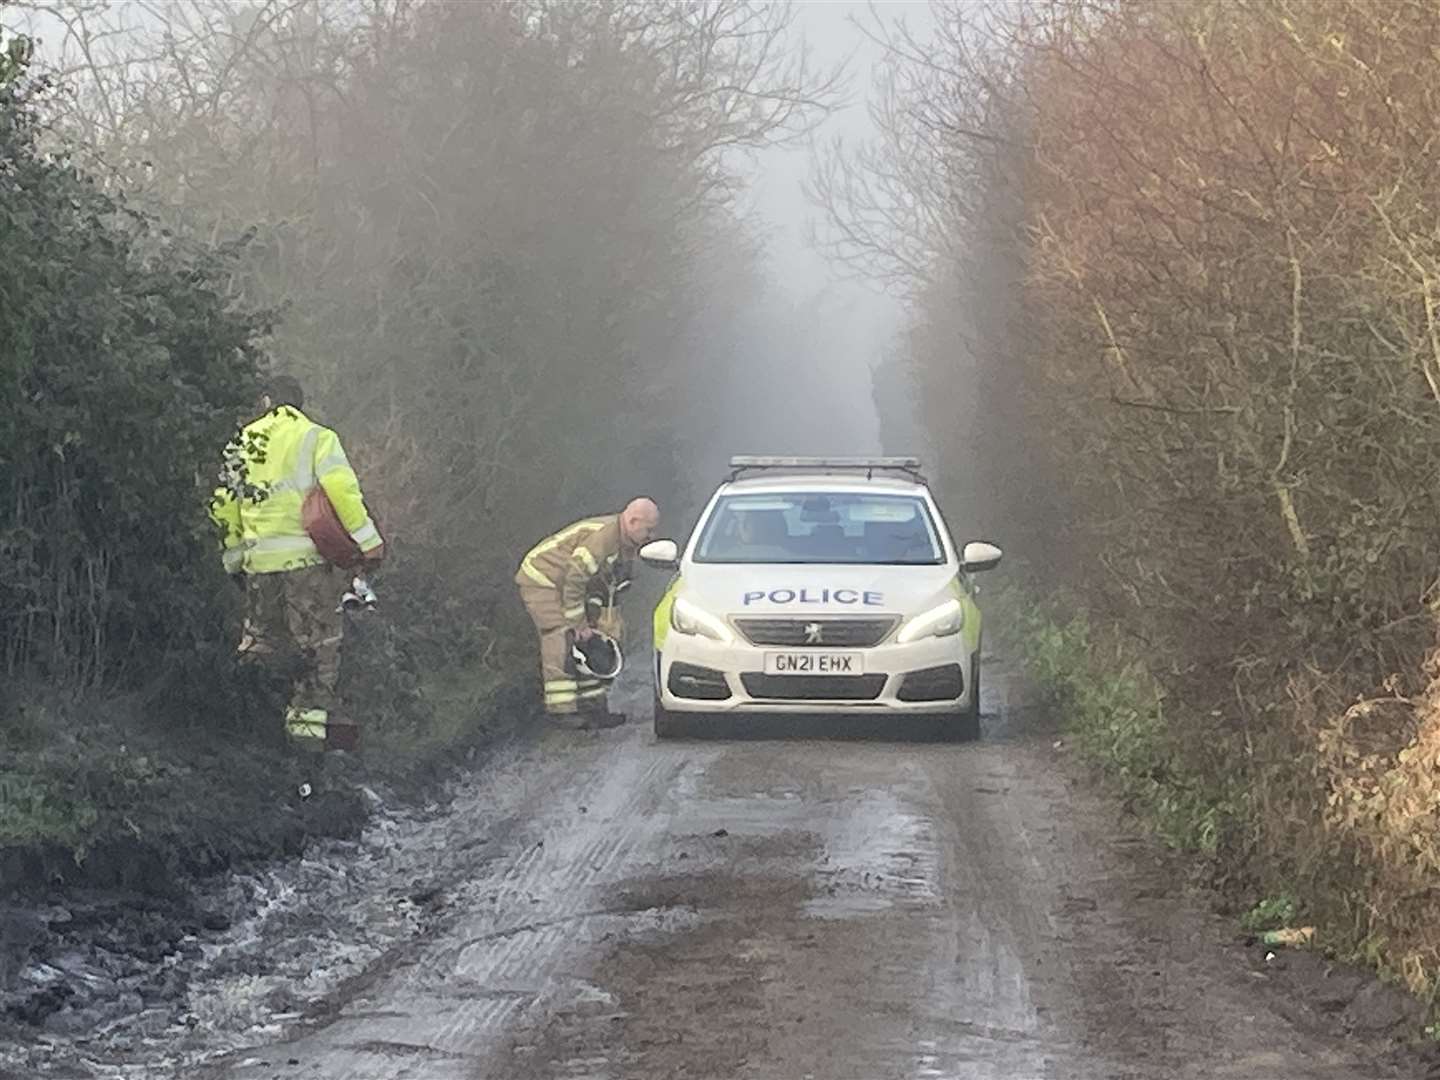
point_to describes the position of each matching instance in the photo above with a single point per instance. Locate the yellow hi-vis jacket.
(568, 561)
(269, 468)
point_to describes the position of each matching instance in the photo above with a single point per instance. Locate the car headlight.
(942, 621)
(687, 618)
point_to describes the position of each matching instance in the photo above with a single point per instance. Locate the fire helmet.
(597, 657)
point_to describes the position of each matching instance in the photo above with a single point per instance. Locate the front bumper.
(692, 673)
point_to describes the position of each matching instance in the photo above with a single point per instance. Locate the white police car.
(819, 585)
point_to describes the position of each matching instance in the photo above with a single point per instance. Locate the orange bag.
(322, 525)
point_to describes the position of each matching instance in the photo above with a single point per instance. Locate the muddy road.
(605, 906)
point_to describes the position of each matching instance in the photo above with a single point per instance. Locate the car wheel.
(964, 726)
(975, 688)
(667, 724)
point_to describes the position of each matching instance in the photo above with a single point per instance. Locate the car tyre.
(964, 726)
(667, 724)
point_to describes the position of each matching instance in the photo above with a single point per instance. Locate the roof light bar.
(868, 465)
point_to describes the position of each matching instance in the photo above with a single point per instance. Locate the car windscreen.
(821, 527)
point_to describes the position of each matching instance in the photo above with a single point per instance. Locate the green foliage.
(78, 771)
(124, 365)
(35, 811)
(15, 55)
(1271, 913)
(1114, 709)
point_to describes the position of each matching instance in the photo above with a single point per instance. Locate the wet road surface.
(801, 908)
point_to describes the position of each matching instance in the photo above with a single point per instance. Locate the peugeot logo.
(814, 632)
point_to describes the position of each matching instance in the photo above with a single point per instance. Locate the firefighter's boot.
(598, 716)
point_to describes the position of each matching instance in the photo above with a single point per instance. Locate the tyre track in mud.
(582, 809)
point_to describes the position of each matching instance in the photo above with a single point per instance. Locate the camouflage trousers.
(292, 614)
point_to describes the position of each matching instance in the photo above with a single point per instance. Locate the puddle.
(845, 905)
(874, 854)
(757, 814)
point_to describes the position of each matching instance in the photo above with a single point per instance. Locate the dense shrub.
(1177, 276)
(125, 365)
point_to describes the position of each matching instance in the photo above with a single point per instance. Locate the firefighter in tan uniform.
(557, 578)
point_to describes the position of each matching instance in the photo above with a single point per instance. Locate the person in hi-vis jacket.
(291, 590)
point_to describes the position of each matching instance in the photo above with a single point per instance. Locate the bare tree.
(1184, 259)
(491, 229)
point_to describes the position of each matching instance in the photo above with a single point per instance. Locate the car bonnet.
(832, 590)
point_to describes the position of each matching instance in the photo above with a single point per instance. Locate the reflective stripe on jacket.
(269, 469)
(569, 560)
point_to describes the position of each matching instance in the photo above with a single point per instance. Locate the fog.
(473, 247)
(800, 380)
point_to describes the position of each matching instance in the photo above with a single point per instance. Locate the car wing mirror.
(661, 554)
(979, 556)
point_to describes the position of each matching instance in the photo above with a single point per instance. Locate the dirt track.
(607, 906)
(813, 909)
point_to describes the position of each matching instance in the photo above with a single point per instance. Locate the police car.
(819, 585)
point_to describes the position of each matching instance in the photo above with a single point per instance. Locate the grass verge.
(1115, 712)
(1252, 812)
(97, 792)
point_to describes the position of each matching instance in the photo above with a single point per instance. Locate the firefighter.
(558, 579)
(291, 589)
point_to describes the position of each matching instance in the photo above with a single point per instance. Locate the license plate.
(815, 663)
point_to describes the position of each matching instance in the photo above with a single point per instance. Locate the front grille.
(834, 633)
(697, 683)
(813, 687)
(933, 684)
